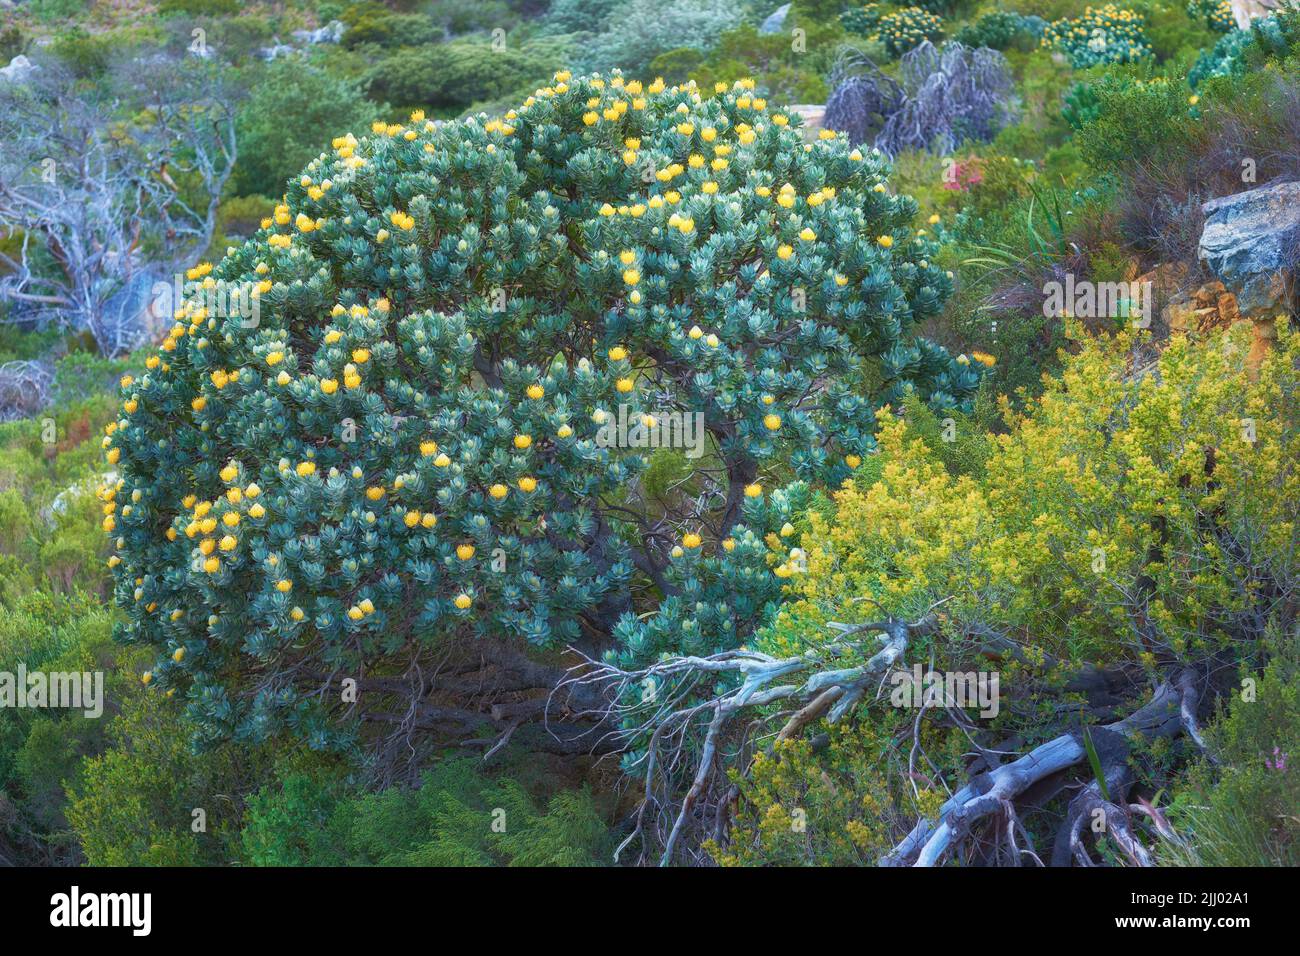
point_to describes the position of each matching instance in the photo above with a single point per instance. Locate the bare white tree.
(109, 187)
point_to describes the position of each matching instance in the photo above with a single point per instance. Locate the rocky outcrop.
(17, 70)
(813, 115)
(1243, 11)
(776, 22)
(332, 32)
(1251, 242)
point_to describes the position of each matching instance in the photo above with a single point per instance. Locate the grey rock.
(279, 50)
(17, 70)
(332, 32)
(1251, 242)
(776, 22)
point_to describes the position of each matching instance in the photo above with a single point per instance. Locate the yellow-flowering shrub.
(455, 325)
(1135, 515)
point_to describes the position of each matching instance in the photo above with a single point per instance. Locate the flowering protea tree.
(433, 439)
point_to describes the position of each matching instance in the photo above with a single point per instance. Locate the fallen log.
(987, 792)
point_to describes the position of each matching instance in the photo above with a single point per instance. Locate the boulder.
(1251, 242)
(332, 32)
(776, 22)
(1243, 11)
(17, 70)
(813, 115)
(279, 50)
(1211, 308)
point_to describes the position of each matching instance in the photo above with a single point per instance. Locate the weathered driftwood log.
(926, 844)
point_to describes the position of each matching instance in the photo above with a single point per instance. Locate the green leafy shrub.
(49, 11)
(1000, 30)
(279, 126)
(1242, 811)
(771, 61)
(199, 8)
(1135, 120)
(1000, 543)
(240, 216)
(676, 66)
(456, 817)
(451, 76)
(458, 17)
(1217, 14)
(1081, 106)
(639, 30)
(864, 20)
(906, 29)
(450, 318)
(377, 25)
(1269, 39)
(12, 42)
(1107, 34)
(135, 803)
(579, 16)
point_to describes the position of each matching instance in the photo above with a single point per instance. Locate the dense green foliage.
(279, 126)
(489, 255)
(456, 817)
(408, 439)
